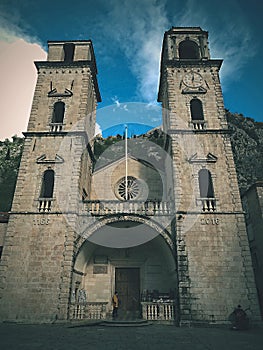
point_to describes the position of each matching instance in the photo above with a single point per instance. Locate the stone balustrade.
(158, 311)
(78, 312)
(198, 124)
(56, 127)
(207, 204)
(44, 204)
(148, 208)
(89, 311)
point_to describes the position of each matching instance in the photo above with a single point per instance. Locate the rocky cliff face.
(10, 156)
(247, 145)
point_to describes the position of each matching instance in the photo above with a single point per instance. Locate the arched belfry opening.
(206, 184)
(69, 49)
(196, 108)
(188, 49)
(48, 184)
(58, 112)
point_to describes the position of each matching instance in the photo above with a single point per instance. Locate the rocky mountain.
(247, 145)
(10, 156)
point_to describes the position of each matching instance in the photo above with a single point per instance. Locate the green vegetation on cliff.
(10, 155)
(247, 145)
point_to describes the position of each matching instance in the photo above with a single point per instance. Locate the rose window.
(133, 188)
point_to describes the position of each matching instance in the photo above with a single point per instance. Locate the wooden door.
(127, 284)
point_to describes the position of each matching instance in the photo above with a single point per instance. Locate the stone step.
(125, 323)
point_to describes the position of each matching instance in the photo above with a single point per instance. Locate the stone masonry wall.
(31, 288)
(218, 266)
(214, 265)
(3, 228)
(104, 181)
(78, 107)
(37, 261)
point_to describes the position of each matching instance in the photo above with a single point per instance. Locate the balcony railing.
(158, 311)
(44, 204)
(206, 204)
(198, 124)
(148, 208)
(88, 311)
(56, 127)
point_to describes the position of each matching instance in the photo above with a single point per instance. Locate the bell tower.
(213, 258)
(37, 259)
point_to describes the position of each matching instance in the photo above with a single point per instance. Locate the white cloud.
(18, 79)
(98, 130)
(138, 28)
(119, 105)
(229, 34)
(116, 101)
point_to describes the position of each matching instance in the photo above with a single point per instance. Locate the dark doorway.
(127, 284)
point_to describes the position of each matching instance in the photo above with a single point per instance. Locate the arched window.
(205, 184)
(188, 49)
(196, 109)
(58, 112)
(69, 49)
(48, 184)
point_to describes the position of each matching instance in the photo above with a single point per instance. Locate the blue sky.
(127, 38)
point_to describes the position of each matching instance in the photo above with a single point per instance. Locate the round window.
(131, 190)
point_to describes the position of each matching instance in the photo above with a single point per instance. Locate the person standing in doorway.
(115, 305)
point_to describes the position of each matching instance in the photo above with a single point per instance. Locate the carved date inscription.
(210, 221)
(41, 221)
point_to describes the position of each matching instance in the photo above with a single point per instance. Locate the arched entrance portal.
(144, 276)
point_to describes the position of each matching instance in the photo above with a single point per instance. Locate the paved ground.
(153, 337)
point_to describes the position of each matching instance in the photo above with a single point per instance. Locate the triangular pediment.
(210, 158)
(103, 166)
(55, 93)
(43, 160)
(105, 163)
(199, 90)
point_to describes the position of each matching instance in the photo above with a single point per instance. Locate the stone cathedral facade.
(163, 226)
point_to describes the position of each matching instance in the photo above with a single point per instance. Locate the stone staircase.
(126, 319)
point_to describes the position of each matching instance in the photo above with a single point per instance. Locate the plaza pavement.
(151, 337)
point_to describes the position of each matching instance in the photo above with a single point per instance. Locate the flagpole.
(126, 162)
